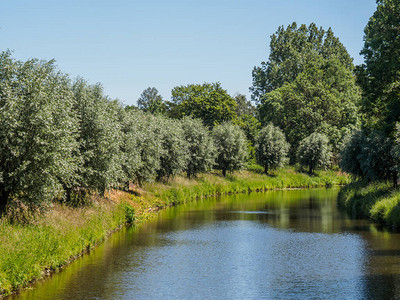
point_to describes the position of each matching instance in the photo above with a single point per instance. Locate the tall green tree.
(231, 145)
(291, 50)
(151, 101)
(243, 106)
(379, 76)
(37, 131)
(307, 86)
(208, 102)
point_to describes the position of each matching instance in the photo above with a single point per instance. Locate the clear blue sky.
(131, 45)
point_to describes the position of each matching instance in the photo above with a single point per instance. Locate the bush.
(314, 152)
(231, 145)
(271, 148)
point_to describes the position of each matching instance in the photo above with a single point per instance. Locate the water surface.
(273, 245)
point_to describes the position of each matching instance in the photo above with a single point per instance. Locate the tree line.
(65, 139)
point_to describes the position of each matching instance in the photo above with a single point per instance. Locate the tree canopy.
(271, 148)
(230, 143)
(379, 76)
(208, 102)
(307, 85)
(152, 102)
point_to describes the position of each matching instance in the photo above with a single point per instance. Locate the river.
(275, 245)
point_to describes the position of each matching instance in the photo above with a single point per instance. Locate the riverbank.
(51, 240)
(377, 201)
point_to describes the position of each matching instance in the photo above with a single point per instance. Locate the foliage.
(349, 156)
(175, 155)
(314, 152)
(271, 148)
(150, 101)
(230, 143)
(379, 76)
(376, 159)
(243, 106)
(37, 131)
(291, 51)
(201, 147)
(307, 86)
(100, 137)
(208, 102)
(131, 153)
(150, 147)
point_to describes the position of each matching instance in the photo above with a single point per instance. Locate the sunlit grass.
(378, 201)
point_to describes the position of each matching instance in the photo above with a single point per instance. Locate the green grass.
(52, 240)
(26, 251)
(378, 201)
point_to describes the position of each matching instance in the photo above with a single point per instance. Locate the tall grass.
(378, 201)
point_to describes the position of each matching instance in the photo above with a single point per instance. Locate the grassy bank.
(379, 202)
(51, 240)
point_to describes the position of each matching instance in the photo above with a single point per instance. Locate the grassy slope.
(378, 201)
(30, 251)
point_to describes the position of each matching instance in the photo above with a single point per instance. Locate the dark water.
(274, 245)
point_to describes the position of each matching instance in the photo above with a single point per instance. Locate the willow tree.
(201, 149)
(231, 144)
(100, 137)
(38, 131)
(271, 148)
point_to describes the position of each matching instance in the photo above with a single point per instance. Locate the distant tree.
(350, 154)
(271, 148)
(202, 151)
(230, 142)
(37, 131)
(208, 102)
(291, 50)
(175, 154)
(243, 106)
(150, 101)
(314, 152)
(379, 76)
(307, 85)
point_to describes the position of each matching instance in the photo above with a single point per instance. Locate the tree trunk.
(224, 172)
(67, 191)
(395, 179)
(266, 170)
(4, 195)
(127, 186)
